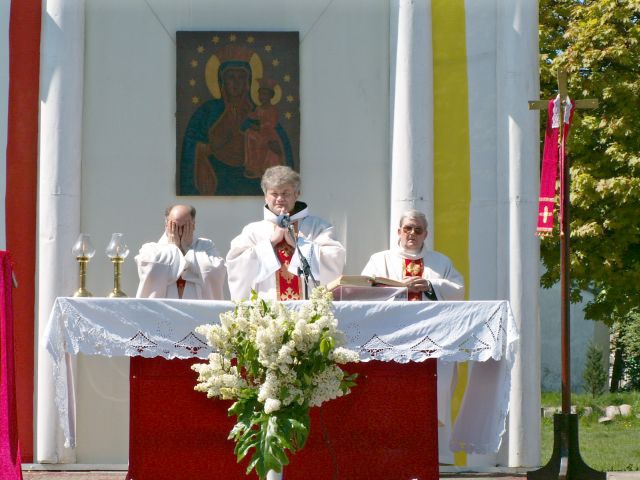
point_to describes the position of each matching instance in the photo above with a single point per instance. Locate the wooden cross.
(562, 90)
(585, 103)
(566, 462)
(564, 230)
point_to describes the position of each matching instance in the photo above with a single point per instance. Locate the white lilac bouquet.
(275, 363)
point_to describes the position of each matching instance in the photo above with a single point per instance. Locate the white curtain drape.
(61, 95)
(518, 82)
(411, 72)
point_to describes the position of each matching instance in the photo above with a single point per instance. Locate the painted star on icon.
(251, 39)
(290, 98)
(288, 115)
(232, 38)
(194, 63)
(287, 78)
(195, 100)
(192, 82)
(267, 48)
(275, 62)
(200, 49)
(216, 39)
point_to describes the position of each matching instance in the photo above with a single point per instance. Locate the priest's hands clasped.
(417, 284)
(280, 234)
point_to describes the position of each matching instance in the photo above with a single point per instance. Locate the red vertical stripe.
(22, 179)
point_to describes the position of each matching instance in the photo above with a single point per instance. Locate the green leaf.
(326, 345)
(300, 430)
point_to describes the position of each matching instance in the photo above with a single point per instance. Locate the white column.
(61, 90)
(5, 10)
(411, 111)
(518, 82)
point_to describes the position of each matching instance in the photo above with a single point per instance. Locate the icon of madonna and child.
(233, 138)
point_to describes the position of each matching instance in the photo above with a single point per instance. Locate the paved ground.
(111, 475)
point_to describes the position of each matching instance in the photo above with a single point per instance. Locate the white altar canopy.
(482, 332)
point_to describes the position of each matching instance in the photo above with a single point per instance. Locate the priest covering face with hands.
(179, 266)
(264, 256)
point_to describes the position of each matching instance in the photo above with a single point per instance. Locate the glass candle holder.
(83, 250)
(117, 251)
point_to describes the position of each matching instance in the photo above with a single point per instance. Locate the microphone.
(283, 221)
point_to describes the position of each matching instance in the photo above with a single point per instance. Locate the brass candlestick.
(83, 251)
(116, 292)
(117, 251)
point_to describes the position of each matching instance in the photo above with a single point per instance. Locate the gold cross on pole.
(562, 90)
(565, 462)
(564, 228)
(583, 103)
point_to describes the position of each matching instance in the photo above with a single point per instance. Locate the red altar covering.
(10, 464)
(385, 429)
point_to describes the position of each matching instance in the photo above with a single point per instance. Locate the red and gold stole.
(180, 284)
(413, 268)
(287, 284)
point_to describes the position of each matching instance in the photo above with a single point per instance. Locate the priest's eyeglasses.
(411, 229)
(285, 194)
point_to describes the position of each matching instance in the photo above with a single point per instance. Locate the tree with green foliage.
(628, 342)
(598, 43)
(594, 375)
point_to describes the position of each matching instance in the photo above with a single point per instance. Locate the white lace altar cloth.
(481, 332)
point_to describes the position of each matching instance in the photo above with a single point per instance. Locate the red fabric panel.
(10, 464)
(174, 431)
(20, 203)
(386, 428)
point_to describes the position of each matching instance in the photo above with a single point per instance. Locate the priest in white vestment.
(428, 275)
(179, 266)
(264, 256)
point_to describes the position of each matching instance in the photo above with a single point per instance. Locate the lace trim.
(69, 331)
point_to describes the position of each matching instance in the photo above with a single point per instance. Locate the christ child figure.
(263, 147)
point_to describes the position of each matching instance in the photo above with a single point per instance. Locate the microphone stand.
(305, 271)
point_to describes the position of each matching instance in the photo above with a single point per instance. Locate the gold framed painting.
(237, 109)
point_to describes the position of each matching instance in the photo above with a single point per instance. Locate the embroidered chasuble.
(415, 268)
(287, 284)
(254, 263)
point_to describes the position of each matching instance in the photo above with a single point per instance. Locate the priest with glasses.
(269, 254)
(428, 275)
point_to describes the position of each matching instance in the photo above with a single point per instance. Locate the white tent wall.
(128, 159)
(487, 186)
(488, 178)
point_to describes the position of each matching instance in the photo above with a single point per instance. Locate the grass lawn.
(605, 447)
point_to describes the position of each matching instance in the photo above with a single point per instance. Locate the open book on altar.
(364, 287)
(363, 281)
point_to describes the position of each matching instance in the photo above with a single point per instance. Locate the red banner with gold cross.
(551, 157)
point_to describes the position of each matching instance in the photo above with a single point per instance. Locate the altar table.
(375, 432)
(397, 332)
